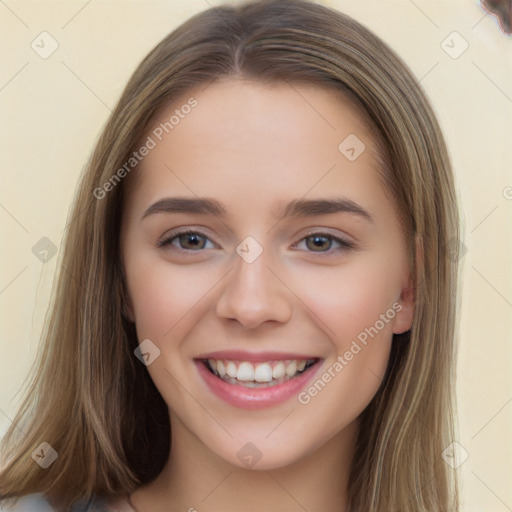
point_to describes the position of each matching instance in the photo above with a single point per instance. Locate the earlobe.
(404, 318)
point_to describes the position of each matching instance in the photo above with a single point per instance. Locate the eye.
(324, 242)
(186, 240)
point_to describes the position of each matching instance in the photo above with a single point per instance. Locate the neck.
(196, 479)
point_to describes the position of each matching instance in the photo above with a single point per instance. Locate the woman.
(259, 302)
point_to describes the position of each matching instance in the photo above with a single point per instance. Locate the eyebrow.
(295, 208)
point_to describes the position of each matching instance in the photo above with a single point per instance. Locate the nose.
(253, 294)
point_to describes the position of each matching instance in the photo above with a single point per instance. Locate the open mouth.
(258, 375)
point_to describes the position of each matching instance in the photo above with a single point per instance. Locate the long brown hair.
(93, 401)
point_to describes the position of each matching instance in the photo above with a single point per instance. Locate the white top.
(37, 503)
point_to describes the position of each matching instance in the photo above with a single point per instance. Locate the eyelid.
(166, 240)
(325, 232)
(344, 242)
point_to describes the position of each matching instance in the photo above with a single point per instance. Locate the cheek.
(162, 295)
(350, 303)
(354, 304)
(351, 299)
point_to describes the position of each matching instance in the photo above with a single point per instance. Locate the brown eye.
(186, 240)
(324, 243)
(318, 243)
(192, 241)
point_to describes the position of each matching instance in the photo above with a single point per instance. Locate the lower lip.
(256, 398)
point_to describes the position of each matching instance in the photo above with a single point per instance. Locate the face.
(266, 265)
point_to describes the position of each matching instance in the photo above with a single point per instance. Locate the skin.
(252, 146)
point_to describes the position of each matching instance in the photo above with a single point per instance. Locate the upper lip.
(242, 355)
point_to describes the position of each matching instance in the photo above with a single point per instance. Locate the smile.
(251, 381)
(263, 374)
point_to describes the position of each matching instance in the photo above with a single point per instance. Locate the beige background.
(54, 108)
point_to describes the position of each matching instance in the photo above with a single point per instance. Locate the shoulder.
(118, 505)
(38, 503)
(28, 503)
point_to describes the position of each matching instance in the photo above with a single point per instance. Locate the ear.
(405, 316)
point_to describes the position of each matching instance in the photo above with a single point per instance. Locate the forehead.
(243, 137)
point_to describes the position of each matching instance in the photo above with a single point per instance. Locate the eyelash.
(344, 244)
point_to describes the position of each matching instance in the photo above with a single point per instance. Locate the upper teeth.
(259, 372)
